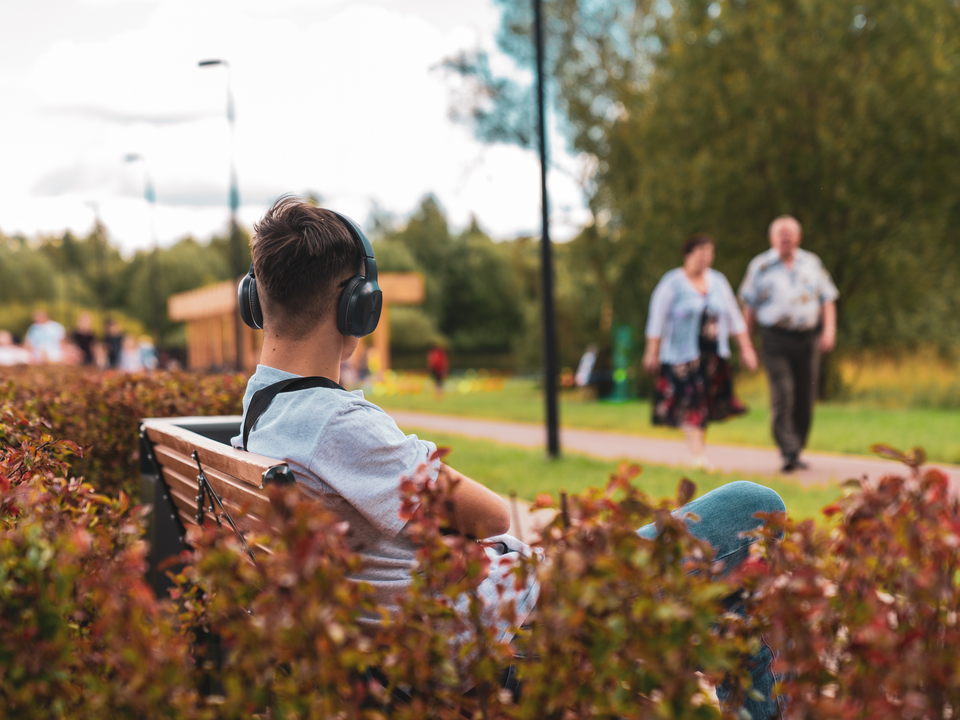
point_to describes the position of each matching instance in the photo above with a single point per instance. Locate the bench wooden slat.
(183, 490)
(224, 485)
(186, 507)
(246, 466)
(235, 475)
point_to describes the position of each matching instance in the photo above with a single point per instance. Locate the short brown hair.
(695, 241)
(301, 253)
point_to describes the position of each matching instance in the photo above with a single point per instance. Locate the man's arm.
(750, 319)
(828, 337)
(480, 512)
(747, 353)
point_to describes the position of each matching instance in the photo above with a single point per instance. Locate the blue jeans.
(723, 514)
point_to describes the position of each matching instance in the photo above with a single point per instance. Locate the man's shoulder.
(302, 417)
(808, 258)
(765, 259)
(334, 397)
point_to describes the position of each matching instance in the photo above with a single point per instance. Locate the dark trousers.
(791, 361)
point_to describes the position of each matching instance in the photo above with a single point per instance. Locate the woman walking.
(693, 313)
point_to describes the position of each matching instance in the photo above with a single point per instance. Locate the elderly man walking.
(790, 295)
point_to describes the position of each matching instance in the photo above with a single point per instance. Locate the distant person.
(130, 355)
(148, 353)
(83, 338)
(10, 353)
(439, 366)
(585, 369)
(113, 339)
(693, 313)
(790, 295)
(45, 339)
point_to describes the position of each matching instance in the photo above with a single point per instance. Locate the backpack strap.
(262, 398)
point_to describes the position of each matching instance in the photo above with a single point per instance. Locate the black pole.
(546, 261)
(236, 264)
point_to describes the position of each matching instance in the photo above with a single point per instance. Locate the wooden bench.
(189, 473)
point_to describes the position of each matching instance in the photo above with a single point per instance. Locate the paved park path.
(753, 462)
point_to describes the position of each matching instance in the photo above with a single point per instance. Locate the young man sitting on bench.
(312, 288)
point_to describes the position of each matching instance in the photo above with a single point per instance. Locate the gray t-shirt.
(351, 455)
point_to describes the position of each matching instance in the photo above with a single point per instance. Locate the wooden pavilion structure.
(210, 314)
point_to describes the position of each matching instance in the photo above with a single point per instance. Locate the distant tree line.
(482, 296)
(66, 274)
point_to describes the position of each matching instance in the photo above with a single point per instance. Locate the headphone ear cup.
(249, 301)
(369, 307)
(348, 302)
(255, 310)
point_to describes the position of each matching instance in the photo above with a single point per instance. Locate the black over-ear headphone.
(358, 311)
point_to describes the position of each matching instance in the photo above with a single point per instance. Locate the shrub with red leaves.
(623, 624)
(81, 634)
(101, 412)
(865, 610)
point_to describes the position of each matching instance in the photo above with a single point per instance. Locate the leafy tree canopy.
(719, 116)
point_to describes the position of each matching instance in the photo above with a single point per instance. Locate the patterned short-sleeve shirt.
(787, 298)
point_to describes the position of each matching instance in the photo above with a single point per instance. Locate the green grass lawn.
(506, 469)
(836, 428)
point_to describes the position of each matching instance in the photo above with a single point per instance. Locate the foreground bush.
(81, 635)
(102, 411)
(864, 612)
(613, 638)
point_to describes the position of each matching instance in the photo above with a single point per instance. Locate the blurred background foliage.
(719, 116)
(693, 116)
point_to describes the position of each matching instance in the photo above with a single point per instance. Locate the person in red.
(439, 365)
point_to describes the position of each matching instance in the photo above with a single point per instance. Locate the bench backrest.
(238, 477)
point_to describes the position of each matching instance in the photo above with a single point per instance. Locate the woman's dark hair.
(695, 241)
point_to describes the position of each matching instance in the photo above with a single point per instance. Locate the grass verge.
(504, 469)
(844, 428)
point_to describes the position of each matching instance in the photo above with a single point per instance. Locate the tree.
(719, 116)
(472, 292)
(184, 266)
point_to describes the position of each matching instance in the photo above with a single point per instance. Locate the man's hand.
(748, 356)
(828, 340)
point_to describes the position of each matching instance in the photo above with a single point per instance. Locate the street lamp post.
(150, 195)
(546, 261)
(236, 253)
(99, 241)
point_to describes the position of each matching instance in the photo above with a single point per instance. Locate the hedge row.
(101, 411)
(864, 609)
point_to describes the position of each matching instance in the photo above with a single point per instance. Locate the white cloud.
(334, 97)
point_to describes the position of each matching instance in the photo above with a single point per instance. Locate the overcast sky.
(337, 97)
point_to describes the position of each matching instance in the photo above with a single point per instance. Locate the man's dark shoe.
(790, 464)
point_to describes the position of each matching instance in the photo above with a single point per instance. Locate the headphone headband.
(369, 262)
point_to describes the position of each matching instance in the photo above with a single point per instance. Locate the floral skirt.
(695, 393)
